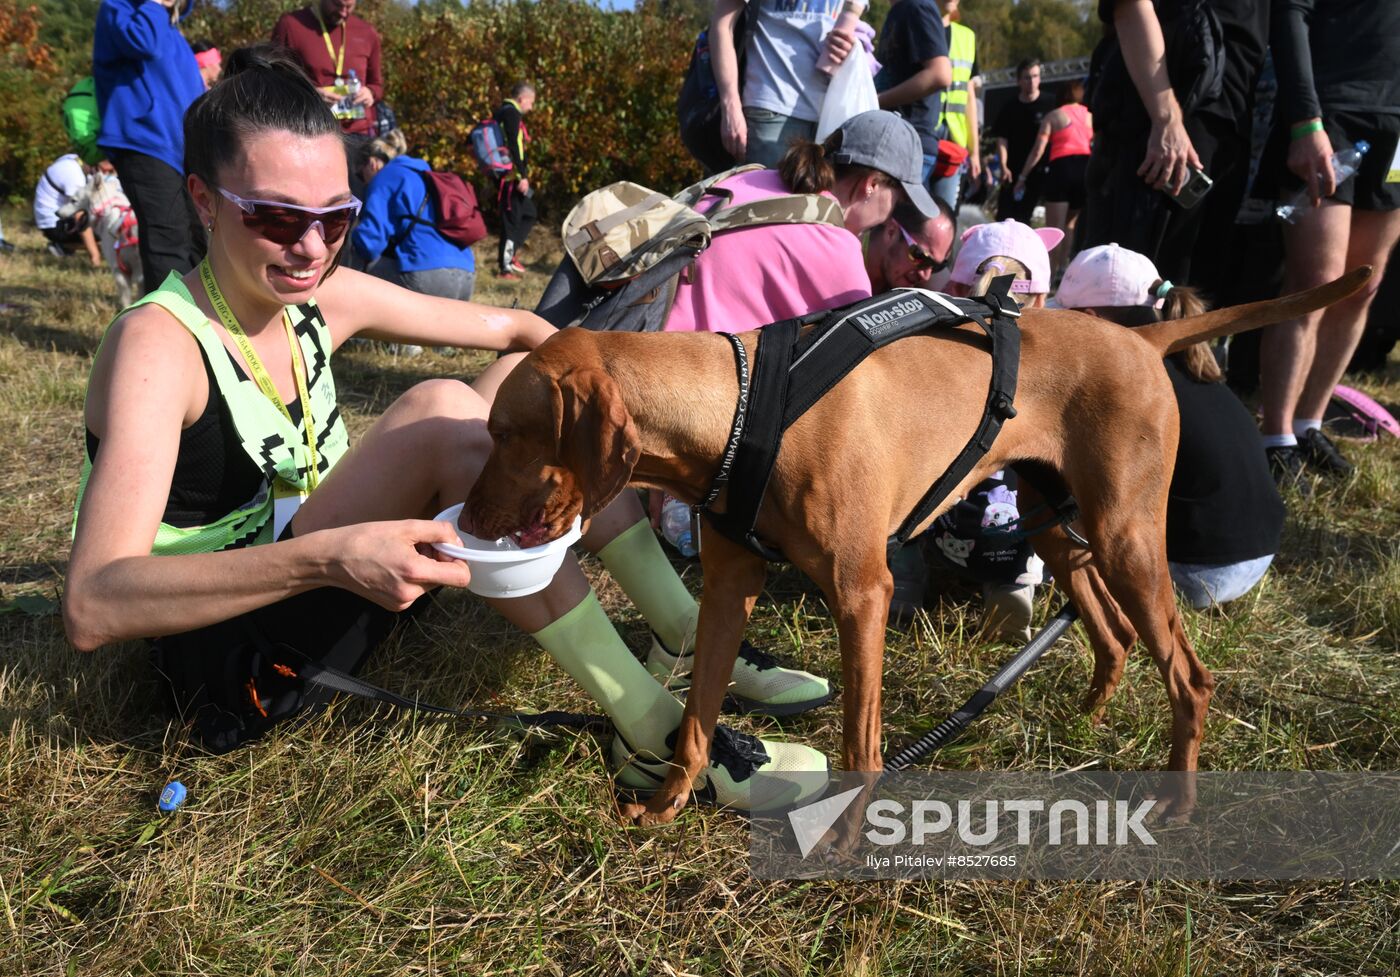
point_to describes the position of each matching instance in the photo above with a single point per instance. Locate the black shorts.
(215, 674)
(1365, 191)
(66, 231)
(1066, 181)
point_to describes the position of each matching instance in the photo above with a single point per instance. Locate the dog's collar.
(741, 410)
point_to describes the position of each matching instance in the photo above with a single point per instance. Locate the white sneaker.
(757, 685)
(727, 781)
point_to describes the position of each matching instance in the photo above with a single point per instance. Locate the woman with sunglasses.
(221, 510)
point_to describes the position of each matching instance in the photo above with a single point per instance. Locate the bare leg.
(490, 380)
(1316, 249)
(1373, 235)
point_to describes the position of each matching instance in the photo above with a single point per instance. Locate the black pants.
(171, 236)
(1009, 208)
(518, 216)
(1119, 207)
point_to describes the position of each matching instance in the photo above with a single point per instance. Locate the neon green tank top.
(267, 437)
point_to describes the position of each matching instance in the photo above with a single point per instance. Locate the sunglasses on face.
(286, 224)
(921, 258)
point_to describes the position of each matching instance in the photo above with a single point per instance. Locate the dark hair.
(520, 88)
(263, 89)
(199, 47)
(1026, 64)
(912, 219)
(1180, 302)
(1072, 93)
(805, 167)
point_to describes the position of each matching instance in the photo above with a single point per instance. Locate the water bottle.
(1345, 163)
(675, 526)
(850, 16)
(352, 88)
(339, 108)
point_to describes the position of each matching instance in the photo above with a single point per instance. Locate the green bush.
(31, 134)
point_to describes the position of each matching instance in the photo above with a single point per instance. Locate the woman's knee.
(443, 398)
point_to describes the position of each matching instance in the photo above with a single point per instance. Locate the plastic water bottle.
(675, 526)
(850, 16)
(352, 88)
(1345, 163)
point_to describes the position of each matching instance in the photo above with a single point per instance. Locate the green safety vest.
(268, 438)
(962, 51)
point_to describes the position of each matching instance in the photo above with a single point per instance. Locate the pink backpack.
(1356, 415)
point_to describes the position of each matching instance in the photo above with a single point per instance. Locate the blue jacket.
(393, 197)
(146, 77)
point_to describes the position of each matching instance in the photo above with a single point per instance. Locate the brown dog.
(589, 413)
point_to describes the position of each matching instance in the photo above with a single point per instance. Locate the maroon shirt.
(300, 31)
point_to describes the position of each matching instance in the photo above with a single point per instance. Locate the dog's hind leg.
(1110, 632)
(1133, 558)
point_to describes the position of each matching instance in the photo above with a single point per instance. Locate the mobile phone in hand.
(1197, 186)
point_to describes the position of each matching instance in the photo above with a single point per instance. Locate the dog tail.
(1178, 334)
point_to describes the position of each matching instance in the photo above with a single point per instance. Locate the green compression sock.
(587, 646)
(636, 561)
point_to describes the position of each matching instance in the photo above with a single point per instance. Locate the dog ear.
(597, 439)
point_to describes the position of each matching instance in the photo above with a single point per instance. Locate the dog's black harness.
(792, 372)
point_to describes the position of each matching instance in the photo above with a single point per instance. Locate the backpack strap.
(790, 208)
(415, 218)
(696, 192)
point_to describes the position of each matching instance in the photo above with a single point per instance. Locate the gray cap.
(886, 142)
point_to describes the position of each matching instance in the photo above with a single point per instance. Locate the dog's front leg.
(859, 596)
(733, 580)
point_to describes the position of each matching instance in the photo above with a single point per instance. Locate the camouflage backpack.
(628, 248)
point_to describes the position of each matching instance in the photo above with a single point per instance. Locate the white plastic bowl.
(500, 568)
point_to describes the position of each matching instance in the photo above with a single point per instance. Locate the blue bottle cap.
(1363, 147)
(173, 796)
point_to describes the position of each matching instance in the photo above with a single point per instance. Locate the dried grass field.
(371, 842)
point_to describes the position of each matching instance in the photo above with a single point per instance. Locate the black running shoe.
(1289, 471)
(1322, 456)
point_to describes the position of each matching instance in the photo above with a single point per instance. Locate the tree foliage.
(607, 80)
(31, 81)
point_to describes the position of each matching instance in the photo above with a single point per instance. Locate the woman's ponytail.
(1182, 302)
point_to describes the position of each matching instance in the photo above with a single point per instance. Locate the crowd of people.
(212, 419)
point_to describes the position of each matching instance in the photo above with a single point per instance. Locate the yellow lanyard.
(337, 59)
(255, 366)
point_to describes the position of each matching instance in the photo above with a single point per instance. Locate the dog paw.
(656, 811)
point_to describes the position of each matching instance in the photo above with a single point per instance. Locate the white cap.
(1108, 276)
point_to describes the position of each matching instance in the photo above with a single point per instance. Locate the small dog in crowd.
(114, 222)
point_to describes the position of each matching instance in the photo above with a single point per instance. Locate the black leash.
(314, 674)
(1005, 677)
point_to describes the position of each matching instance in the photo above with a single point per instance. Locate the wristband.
(1306, 128)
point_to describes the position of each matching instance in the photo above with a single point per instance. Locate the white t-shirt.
(60, 183)
(784, 42)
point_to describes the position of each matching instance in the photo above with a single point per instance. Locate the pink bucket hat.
(1107, 276)
(1013, 240)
